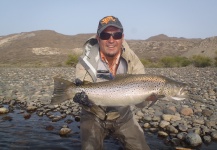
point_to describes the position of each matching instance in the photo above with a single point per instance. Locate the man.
(105, 56)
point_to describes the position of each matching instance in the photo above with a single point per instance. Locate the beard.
(112, 53)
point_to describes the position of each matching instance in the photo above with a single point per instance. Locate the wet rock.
(181, 135)
(162, 133)
(193, 139)
(27, 116)
(146, 125)
(49, 127)
(77, 118)
(40, 113)
(57, 118)
(3, 110)
(204, 130)
(196, 130)
(68, 121)
(64, 131)
(175, 141)
(207, 139)
(7, 118)
(31, 108)
(214, 135)
(12, 102)
(171, 129)
(153, 130)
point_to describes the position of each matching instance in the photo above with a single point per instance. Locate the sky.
(141, 19)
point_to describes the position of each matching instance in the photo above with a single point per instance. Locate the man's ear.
(122, 38)
(97, 37)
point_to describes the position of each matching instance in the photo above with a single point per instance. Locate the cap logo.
(107, 19)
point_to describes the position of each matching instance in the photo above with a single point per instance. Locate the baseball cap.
(109, 21)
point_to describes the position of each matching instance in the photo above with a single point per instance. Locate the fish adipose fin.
(60, 90)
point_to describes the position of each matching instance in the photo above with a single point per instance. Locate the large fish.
(121, 91)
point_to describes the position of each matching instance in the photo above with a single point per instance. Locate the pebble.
(31, 108)
(64, 131)
(182, 127)
(186, 111)
(207, 139)
(214, 135)
(3, 110)
(146, 125)
(164, 123)
(193, 139)
(32, 88)
(181, 135)
(171, 129)
(162, 133)
(167, 117)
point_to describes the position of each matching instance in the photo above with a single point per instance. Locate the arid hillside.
(49, 48)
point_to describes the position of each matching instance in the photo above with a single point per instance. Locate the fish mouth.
(182, 94)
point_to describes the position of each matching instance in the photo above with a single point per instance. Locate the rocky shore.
(189, 122)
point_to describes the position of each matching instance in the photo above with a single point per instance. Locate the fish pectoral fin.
(142, 104)
(153, 98)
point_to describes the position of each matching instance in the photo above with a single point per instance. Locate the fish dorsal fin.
(86, 82)
(120, 76)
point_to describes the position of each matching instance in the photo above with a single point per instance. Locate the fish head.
(174, 90)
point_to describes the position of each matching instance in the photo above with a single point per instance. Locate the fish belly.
(117, 97)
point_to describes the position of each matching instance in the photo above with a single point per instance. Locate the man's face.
(111, 46)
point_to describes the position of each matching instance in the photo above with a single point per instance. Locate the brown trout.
(121, 91)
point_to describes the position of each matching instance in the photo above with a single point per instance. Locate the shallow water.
(37, 132)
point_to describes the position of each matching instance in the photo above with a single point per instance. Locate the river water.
(39, 132)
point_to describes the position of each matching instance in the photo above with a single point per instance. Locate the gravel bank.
(193, 121)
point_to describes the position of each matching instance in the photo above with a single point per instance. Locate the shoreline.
(33, 87)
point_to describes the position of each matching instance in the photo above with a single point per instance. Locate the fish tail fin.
(60, 93)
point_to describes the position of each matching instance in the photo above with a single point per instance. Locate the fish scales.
(128, 90)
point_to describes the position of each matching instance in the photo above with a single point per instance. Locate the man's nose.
(111, 39)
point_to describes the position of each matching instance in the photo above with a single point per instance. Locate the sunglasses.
(106, 36)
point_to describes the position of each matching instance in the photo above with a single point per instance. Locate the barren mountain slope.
(49, 48)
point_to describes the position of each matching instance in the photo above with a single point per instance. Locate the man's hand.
(82, 99)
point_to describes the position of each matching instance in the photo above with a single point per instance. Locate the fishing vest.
(97, 70)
